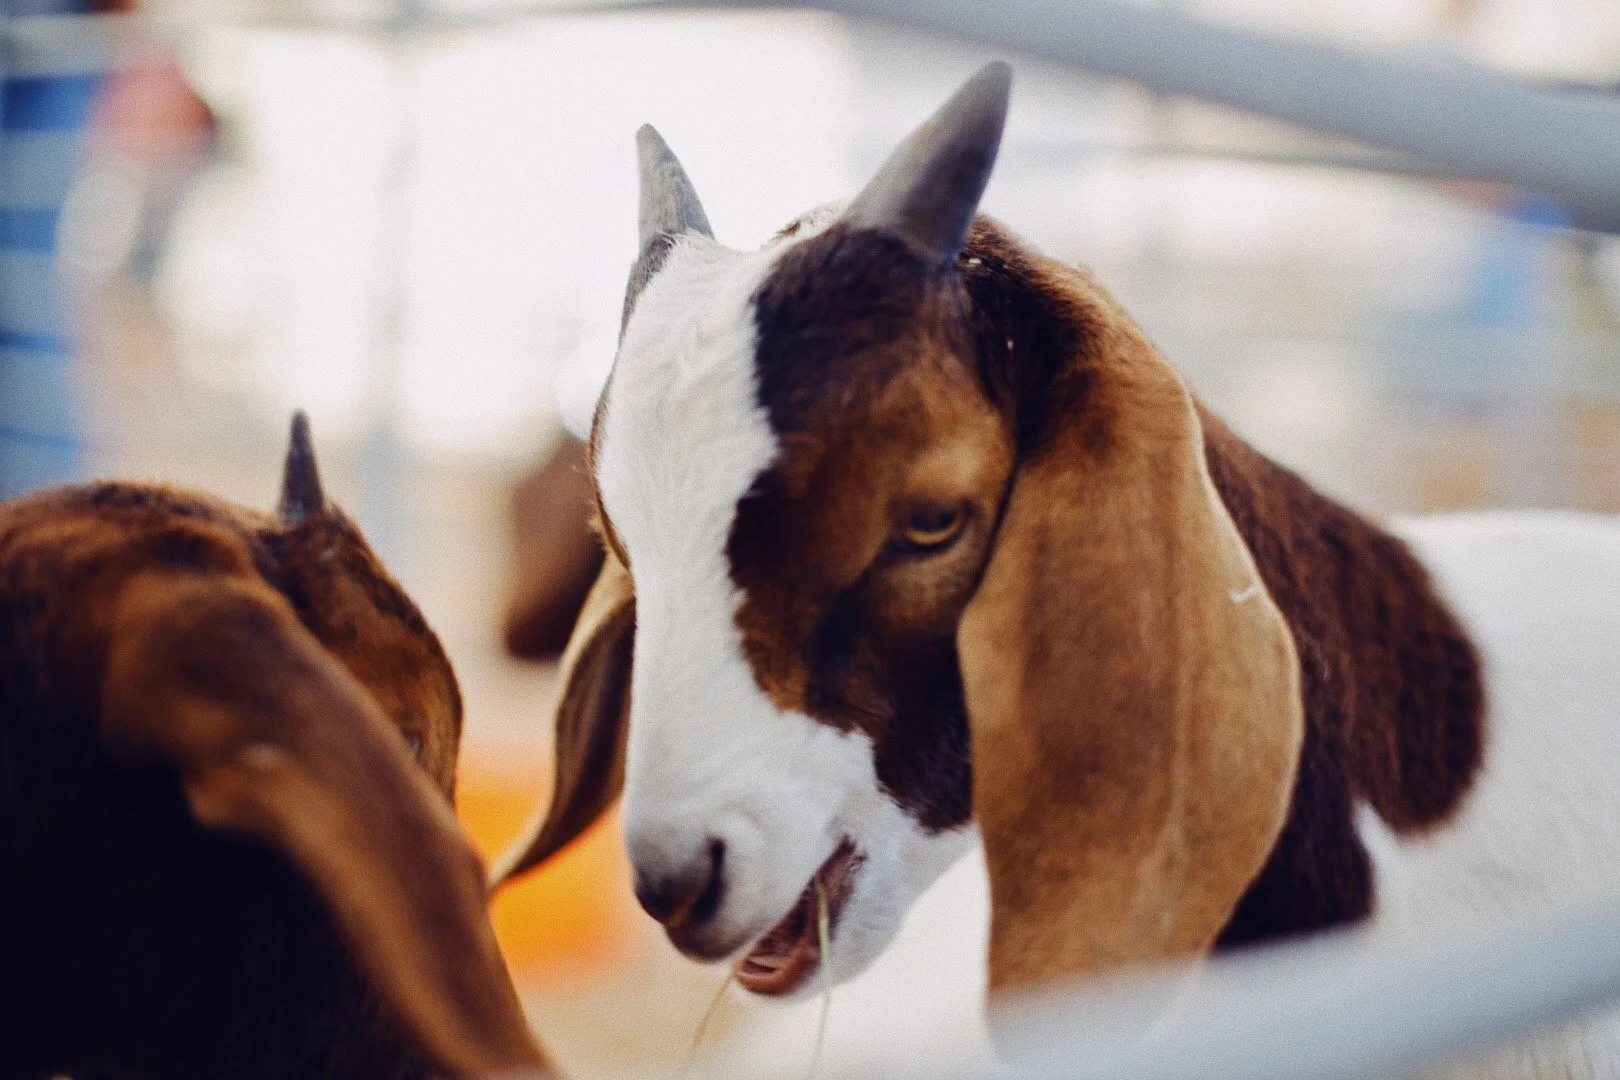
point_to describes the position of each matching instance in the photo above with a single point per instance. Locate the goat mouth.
(790, 952)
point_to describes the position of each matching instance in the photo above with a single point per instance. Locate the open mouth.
(790, 952)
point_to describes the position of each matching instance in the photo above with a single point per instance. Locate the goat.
(911, 531)
(227, 752)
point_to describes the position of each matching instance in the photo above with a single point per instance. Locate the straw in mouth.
(790, 953)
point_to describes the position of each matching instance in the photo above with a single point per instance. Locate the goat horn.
(669, 207)
(301, 495)
(928, 190)
(669, 203)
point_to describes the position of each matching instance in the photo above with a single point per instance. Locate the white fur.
(1540, 593)
(710, 756)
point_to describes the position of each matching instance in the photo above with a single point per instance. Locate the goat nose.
(688, 898)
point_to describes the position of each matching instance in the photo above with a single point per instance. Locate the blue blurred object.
(45, 103)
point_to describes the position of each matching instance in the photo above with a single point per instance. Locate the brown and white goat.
(227, 750)
(911, 527)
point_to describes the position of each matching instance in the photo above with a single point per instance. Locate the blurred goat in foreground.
(227, 749)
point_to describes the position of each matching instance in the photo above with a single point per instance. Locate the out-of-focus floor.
(1408, 347)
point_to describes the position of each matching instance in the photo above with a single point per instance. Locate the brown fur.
(1162, 756)
(222, 859)
(1393, 693)
(839, 618)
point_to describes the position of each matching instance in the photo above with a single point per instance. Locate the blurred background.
(414, 223)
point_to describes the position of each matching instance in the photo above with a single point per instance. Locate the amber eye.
(932, 527)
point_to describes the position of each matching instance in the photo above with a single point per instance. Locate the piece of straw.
(703, 1025)
(824, 932)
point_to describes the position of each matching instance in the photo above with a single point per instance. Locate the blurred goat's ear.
(274, 738)
(301, 494)
(593, 711)
(1132, 689)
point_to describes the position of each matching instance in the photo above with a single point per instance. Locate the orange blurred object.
(566, 919)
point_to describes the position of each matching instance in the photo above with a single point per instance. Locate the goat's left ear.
(274, 738)
(1133, 691)
(593, 714)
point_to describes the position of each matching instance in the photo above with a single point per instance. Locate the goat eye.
(932, 527)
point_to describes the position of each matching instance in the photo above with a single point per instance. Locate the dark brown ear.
(275, 739)
(593, 709)
(1133, 691)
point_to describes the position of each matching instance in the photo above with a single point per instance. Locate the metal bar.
(1349, 1006)
(1465, 120)
(1455, 117)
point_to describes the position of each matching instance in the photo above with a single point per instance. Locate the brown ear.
(1133, 692)
(593, 709)
(274, 738)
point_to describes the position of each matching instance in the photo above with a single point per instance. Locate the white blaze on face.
(683, 438)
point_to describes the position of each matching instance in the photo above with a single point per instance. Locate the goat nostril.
(690, 898)
(659, 897)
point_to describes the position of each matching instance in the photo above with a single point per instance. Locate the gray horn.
(669, 207)
(669, 204)
(301, 495)
(928, 191)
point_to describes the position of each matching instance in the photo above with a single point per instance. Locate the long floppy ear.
(275, 739)
(1133, 691)
(593, 710)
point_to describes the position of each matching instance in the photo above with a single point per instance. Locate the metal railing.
(1345, 1006)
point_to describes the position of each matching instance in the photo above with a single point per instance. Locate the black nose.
(689, 897)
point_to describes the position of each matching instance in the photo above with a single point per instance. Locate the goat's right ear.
(593, 711)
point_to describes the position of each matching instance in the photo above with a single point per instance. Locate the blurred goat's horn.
(669, 203)
(928, 191)
(301, 494)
